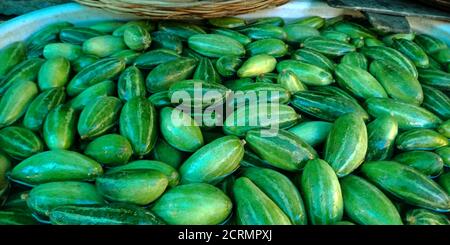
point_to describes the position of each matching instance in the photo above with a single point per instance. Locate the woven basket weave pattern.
(183, 9)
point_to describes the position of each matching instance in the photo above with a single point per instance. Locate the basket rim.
(193, 9)
(176, 3)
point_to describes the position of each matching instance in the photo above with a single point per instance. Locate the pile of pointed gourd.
(90, 132)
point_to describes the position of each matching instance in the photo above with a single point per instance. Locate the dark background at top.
(11, 8)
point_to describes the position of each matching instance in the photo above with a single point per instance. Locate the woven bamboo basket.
(183, 9)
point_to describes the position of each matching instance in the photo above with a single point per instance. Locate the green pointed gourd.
(214, 161)
(366, 204)
(180, 130)
(253, 207)
(99, 117)
(139, 125)
(60, 128)
(110, 150)
(346, 145)
(193, 204)
(322, 193)
(139, 187)
(281, 190)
